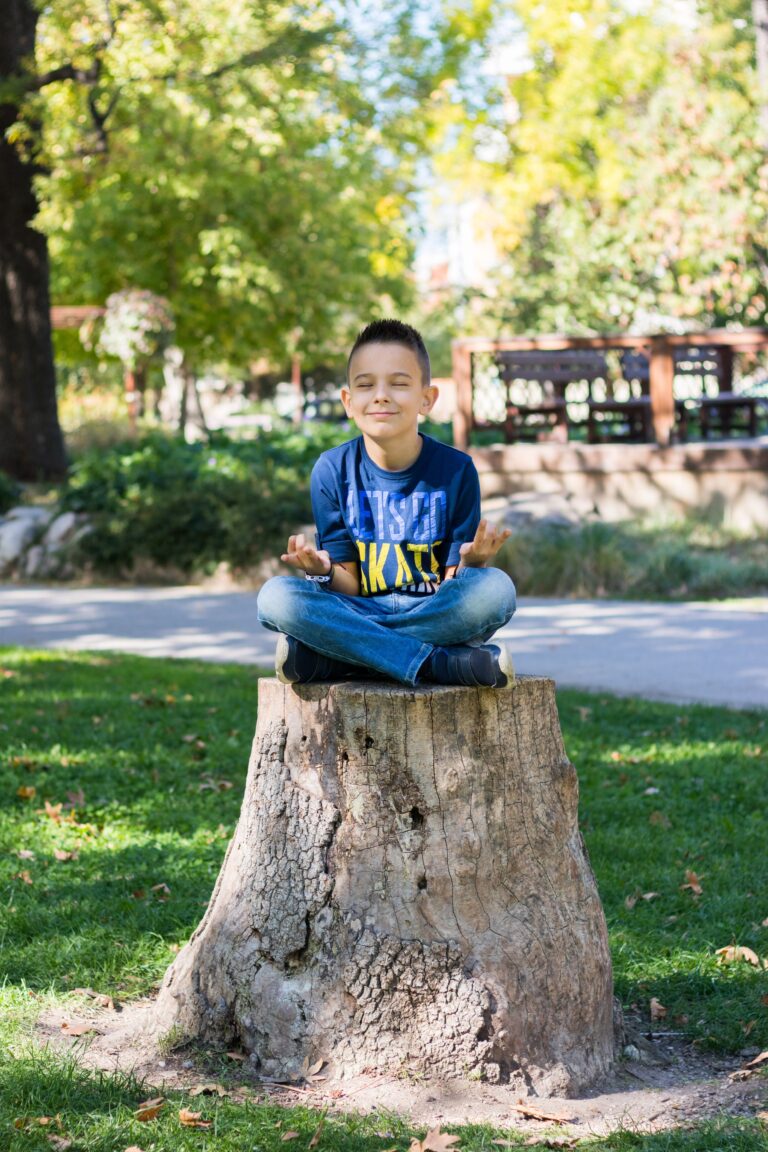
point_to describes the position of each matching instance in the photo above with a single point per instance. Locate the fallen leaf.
(764, 1000)
(652, 791)
(210, 1090)
(60, 854)
(60, 1143)
(139, 894)
(765, 922)
(52, 811)
(434, 1141)
(692, 884)
(616, 756)
(289, 1136)
(236, 1055)
(75, 799)
(762, 1117)
(25, 876)
(658, 1011)
(76, 1029)
(317, 1134)
(584, 714)
(315, 1068)
(193, 1119)
(25, 854)
(537, 1114)
(150, 1109)
(734, 952)
(758, 1060)
(163, 891)
(630, 901)
(650, 895)
(749, 1027)
(660, 820)
(26, 792)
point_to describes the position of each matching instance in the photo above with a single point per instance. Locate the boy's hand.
(302, 555)
(488, 539)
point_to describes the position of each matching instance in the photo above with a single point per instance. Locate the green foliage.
(687, 560)
(193, 506)
(10, 492)
(252, 163)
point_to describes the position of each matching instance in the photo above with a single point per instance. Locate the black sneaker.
(487, 666)
(295, 663)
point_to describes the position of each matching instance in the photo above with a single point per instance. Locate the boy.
(398, 583)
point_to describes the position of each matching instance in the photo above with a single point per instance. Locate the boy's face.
(384, 394)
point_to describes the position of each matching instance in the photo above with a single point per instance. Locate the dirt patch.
(667, 1084)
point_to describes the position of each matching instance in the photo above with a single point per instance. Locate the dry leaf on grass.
(762, 1117)
(692, 884)
(537, 1114)
(434, 1141)
(658, 1011)
(23, 876)
(290, 1136)
(193, 1119)
(26, 792)
(149, 1109)
(25, 854)
(734, 952)
(134, 1148)
(210, 1090)
(236, 1055)
(317, 1133)
(60, 1143)
(60, 854)
(758, 1060)
(77, 1029)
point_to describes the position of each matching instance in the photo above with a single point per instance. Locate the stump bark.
(406, 887)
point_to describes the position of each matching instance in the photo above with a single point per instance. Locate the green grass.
(153, 753)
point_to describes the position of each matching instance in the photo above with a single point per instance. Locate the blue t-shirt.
(404, 528)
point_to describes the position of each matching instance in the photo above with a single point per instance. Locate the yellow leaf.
(735, 952)
(150, 1109)
(692, 884)
(193, 1119)
(25, 876)
(26, 792)
(658, 1011)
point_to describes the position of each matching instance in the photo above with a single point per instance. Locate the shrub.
(195, 505)
(10, 492)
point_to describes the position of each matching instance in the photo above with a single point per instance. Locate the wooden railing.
(660, 351)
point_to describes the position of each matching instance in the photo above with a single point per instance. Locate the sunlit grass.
(147, 759)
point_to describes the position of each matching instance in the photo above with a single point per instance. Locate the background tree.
(31, 444)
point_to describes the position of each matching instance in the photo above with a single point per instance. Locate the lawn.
(122, 780)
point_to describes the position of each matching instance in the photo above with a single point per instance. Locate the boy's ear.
(428, 398)
(345, 399)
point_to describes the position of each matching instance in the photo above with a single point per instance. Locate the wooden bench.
(545, 416)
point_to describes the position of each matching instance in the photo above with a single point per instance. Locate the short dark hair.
(394, 332)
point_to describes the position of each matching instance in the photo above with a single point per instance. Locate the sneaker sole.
(506, 666)
(282, 652)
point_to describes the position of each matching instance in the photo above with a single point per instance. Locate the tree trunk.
(407, 885)
(31, 443)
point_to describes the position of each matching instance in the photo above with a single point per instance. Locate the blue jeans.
(392, 633)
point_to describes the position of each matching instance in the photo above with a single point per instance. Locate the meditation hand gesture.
(488, 539)
(307, 559)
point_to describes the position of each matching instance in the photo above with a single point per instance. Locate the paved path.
(716, 654)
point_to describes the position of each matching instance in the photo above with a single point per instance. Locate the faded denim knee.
(279, 602)
(488, 601)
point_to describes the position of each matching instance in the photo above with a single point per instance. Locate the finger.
(301, 541)
(480, 533)
(291, 543)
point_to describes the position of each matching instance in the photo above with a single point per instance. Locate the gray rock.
(40, 516)
(58, 532)
(15, 538)
(34, 561)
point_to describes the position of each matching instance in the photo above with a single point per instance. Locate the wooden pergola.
(660, 350)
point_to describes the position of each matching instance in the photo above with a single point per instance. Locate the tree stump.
(406, 887)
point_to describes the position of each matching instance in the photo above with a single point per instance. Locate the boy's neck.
(395, 457)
